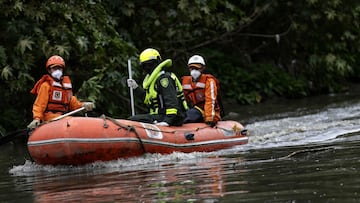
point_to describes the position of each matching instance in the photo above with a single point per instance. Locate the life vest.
(60, 96)
(152, 97)
(60, 93)
(195, 91)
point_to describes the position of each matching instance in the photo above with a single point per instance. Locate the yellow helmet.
(149, 54)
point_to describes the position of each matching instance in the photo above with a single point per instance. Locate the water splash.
(147, 161)
(318, 127)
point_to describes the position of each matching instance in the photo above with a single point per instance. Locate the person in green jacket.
(161, 91)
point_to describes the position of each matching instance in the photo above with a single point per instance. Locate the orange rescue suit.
(202, 94)
(54, 98)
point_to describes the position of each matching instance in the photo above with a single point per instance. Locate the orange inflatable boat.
(82, 140)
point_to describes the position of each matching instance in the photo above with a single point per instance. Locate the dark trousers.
(145, 118)
(193, 116)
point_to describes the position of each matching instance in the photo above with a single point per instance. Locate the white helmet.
(196, 59)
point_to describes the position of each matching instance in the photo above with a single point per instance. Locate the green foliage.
(81, 32)
(258, 49)
(258, 82)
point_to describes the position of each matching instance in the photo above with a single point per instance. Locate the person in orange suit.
(201, 92)
(54, 95)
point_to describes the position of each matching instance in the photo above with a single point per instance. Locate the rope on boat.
(152, 129)
(104, 118)
(128, 128)
(131, 128)
(138, 137)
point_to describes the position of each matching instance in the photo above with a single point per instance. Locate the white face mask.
(195, 74)
(57, 74)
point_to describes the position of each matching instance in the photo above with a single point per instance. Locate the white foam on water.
(299, 130)
(137, 163)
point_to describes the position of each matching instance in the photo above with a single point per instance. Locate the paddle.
(13, 135)
(24, 132)
(67, 114)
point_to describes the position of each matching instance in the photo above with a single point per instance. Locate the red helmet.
(55, 61)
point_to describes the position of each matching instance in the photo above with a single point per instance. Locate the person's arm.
(41, 101)
(140, 93)
(210, 100)
(188, 91)
(75, 103)
(138, 90)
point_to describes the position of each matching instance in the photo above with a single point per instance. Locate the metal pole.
(131, 90)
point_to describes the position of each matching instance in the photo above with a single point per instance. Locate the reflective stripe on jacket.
(164, 93)
(203, 94)
(53, 98)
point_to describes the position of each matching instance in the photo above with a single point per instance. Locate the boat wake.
(148, 161)
(330, 125)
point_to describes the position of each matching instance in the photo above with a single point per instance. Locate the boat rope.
(139, 138)
(132, 128)
(152, 129)
(128, 128)
(104, 118)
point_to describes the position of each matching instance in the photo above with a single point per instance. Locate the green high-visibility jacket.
(163, 93)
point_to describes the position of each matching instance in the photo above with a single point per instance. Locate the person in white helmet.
(201, 92)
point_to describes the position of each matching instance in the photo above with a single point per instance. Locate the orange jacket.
(203, 94)
(53, 98)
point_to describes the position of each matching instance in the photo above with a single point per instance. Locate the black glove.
(210, 123)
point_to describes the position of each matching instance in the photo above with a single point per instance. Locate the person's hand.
(210, 123)
(132, 83)
(35, 123)
(89, 106)
(162, 124)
